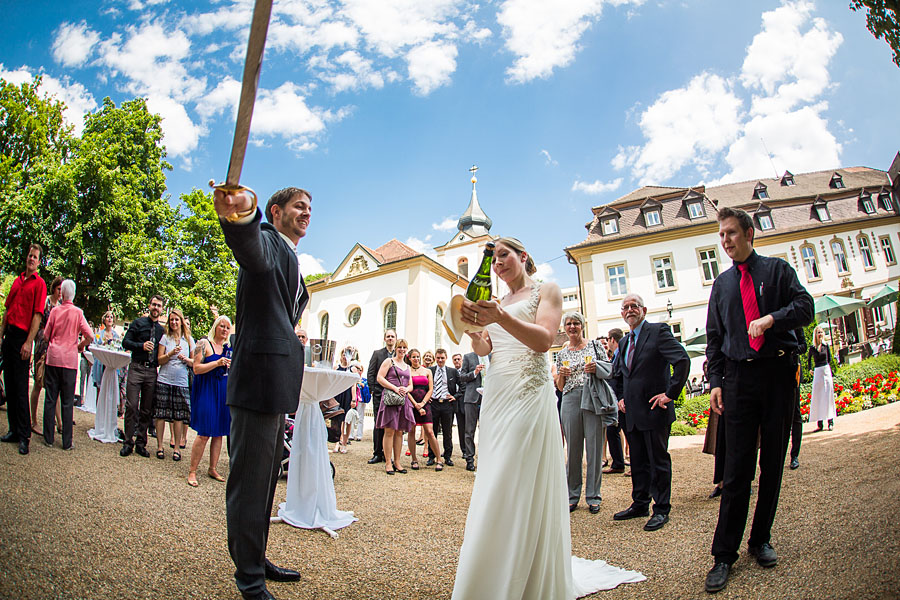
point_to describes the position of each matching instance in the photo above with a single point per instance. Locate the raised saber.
(259, 27)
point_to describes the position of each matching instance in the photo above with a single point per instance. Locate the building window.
(390, 315)
(610, 226)
(570, 297)
(615, 275)
(438, 327)
(810, 263)
(885, 200)
(837, 182)
(651, 218)
(323, 326)
(822, 212)
(787, 178)
(760, 192)
(676, 330)
(462, 267)
(709, 264)
(765, 221)
(353, 317)
(867, 205)
(889, 257)
(695, 209)
(878, 314)
(865, 251)
(840, 257)
(665, 272)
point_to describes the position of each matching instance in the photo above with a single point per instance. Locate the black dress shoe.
(23, 447)
(656, 522)
(276, 573)
(430, 462)
(594, 508)
(470, 466)
(10, 437)
(717, 577)
(141, 451)
(795, 464)
(630, 513)
(717, 491)
(572, 507)
(263, 595)
(448, 462)
(126, 450)
(375, 460)
(765, 555)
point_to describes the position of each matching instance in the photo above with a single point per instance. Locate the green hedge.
(884, 364)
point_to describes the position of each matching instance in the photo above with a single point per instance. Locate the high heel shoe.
(396, 470)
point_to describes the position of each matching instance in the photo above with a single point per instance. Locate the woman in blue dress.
(209, 413)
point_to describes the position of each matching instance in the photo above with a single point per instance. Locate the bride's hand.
(483, 312)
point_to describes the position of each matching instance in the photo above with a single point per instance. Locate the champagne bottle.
(480, 286)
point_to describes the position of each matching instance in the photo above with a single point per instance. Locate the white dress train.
(517, 540)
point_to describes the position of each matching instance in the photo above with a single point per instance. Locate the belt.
(778, 354)
(146, 364)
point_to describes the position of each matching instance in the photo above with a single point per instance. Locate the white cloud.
(283, 112)
(448, 224)
(597, 187)
(392, 25)
(359, 73)
(74, 44)
(549, 158)
(544, 35)
(309, 264)
(224, 96)
(544, 272)
(421, 245)
(430, 65)
(74, 95)
(182, 135)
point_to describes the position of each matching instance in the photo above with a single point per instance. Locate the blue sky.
(380, 107)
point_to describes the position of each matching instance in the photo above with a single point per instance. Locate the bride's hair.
(518, 247)
(409, 353)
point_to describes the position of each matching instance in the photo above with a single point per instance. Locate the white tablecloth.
(89, 401)
(310, 500)
(108, 400)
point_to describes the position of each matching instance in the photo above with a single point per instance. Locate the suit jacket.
(656, 350)
(267, 364)
(378, 357)
(452, 381)
(467, 375)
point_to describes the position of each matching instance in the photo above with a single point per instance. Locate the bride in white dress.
(517, 542)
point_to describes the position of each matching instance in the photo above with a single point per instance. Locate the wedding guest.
(470, 374)
(583, 429)
(443, 401)
(64, 326)
(378, 358)
(352, 416)
(39, 357)
(821, 403)
(363, 397)
(141, 340)
(460, 404)
(393, 375)
(796, 429)
(420, 395)
(24, 309)
(754, 310)
(173, 397)
(209, 413)
(615, 433)
(344, 400)
(428, 359)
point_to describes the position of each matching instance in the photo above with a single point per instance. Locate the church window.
(390, 315)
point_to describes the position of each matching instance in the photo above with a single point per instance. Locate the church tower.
(474, 222)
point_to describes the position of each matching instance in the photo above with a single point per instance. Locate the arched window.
(462, 267)
(323, 326)
(810, 263)
(353, 317)
(390, 315)
(865, 251)
(438, 327)
(840, 256)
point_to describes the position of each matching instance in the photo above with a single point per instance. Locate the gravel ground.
(89, 524)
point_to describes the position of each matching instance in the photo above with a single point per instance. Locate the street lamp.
(669, 307)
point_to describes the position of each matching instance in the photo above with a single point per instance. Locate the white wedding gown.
(517, 542)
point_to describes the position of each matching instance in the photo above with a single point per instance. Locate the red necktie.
(751, 308)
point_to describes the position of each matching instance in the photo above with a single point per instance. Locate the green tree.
(882, 21)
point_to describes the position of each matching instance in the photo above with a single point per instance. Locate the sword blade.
(259, 27)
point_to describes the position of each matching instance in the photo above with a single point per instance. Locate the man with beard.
(142, 339)
(378, 357)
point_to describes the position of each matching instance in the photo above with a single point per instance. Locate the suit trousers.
(460, 408)
(377, 433)
(796, 426)
(651, 469)
(473, 411)
(442, 413)
(758, 397)
(721, 445)
(584, 433)
(256, 447)
(59, 385)
(616, 455)
(15, 381)
(140, 394)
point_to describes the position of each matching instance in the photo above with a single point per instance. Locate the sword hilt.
(230, 188)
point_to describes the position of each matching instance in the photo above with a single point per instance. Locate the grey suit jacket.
(267, 364)
(467, 375)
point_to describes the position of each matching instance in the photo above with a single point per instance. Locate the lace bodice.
(507, 350)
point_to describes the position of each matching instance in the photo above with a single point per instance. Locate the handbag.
(390, 397)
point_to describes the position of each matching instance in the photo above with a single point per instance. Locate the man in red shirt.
(24, 309)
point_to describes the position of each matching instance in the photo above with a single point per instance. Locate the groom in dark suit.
(443, 401)
(266, 371)
(642, 373)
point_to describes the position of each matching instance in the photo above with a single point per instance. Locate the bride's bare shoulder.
(550, 291)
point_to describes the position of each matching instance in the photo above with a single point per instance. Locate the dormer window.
(760, 192)
(652, 211)
(609, 226)
(837, 182)
(764, 218)
(820, 208)
(865, 202)
(884, 200)
(652, 218)
(787, 178)
(695, 209)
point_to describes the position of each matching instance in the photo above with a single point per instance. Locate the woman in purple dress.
(394, 376)
(209, 413)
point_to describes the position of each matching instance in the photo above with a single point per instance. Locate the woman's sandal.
(176, 456)
(160, 454)
(214, 475)
(414, 465)
(439, 467)
(192, 479)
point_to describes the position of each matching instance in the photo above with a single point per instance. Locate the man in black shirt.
(142, 338)
(754, 309)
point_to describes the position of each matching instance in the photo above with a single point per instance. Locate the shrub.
(847, 375)
(679, 428)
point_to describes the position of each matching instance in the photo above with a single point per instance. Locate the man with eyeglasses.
(649, 373)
